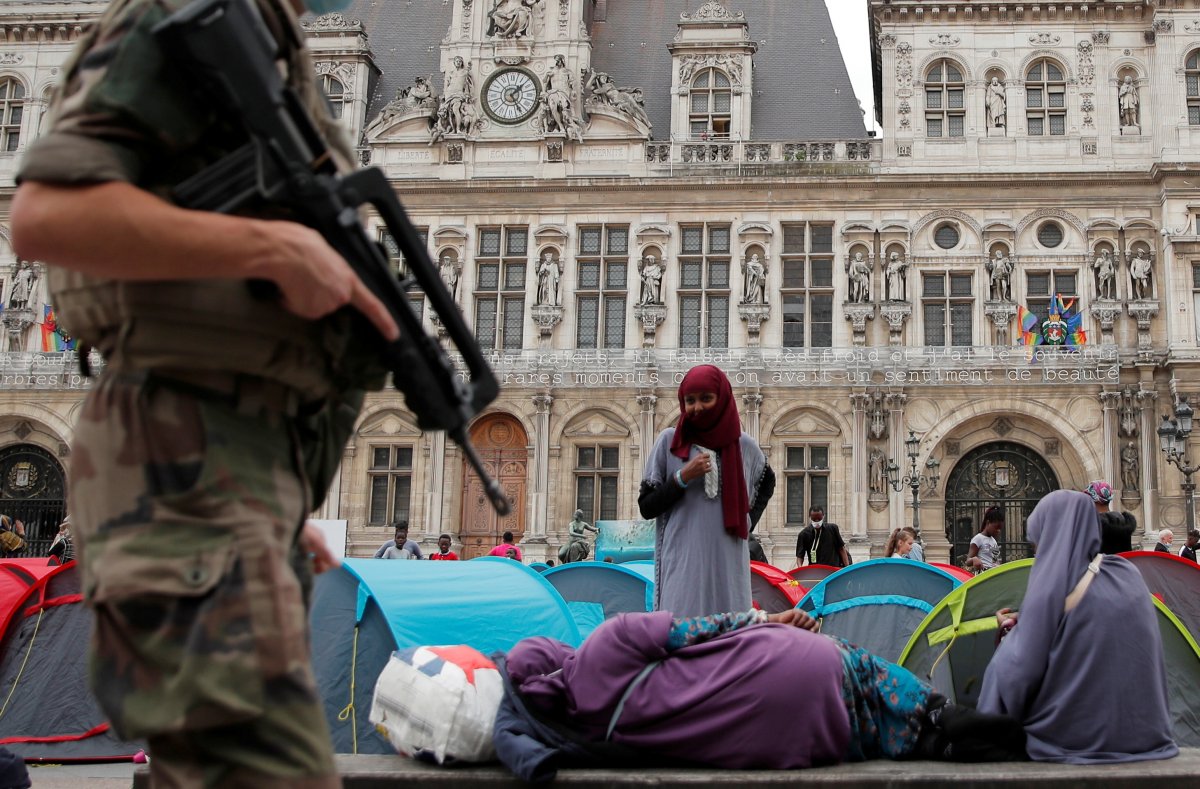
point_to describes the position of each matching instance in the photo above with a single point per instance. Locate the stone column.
(536, 533)
(752, 405)
(895, 451)
(1147, 399)
(646, 433)
(435, 490)
(1110, 402)
(861, 402)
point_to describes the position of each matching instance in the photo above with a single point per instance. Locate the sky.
(850, 25)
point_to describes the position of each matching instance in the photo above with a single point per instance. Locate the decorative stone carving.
(755, 280)
(944, 40)
(858, 272)
(554, 151)
(731, 64)
(511, 19)
(1000, 269)
(1106, 275)
(716, 153)
(877, 415)
(558, 112)
(896, 278)
(887, 41)
(896, 314)
(11, 58)
(331, 22)
(1163, 25)
(546, 316)
(24, 278)
(876, 472)
(1128, 101)
(1106, 315)
(858, 314)
(601, 91)
(658, 152)
(1130, 406)
(1087, 105)
(1143, 312)
(753, 316)
(549, 274)
(713, 11)
(415, 99)
(997, 104)
(456, 115)
(1139, 274)
(904, 109)
(651, 316)
(1131, 467)
(904, 72)
(1087, 69)
(1100, 37)
(1044, 39)
(758, 152)
(1001, 313)
(651, 272)
(454, 153)
(857, 151)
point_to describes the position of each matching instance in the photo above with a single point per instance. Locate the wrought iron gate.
(1002, 473)
(33, 490)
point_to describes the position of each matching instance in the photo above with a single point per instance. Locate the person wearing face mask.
(706, 483)
(820, 542)
(220, 416)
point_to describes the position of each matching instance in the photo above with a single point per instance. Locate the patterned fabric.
(694, 630)
(885, 703)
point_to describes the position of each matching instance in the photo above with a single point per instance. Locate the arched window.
(1045, 99)
(710, 106)
(944, 110)
(12, 111)
(339, 97)
(1191, 71)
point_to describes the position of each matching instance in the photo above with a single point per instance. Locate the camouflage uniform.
(215, 428)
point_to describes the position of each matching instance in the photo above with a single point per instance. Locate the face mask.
(320, 7)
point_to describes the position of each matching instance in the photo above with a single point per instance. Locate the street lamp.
(913, 479)
(1172, 438)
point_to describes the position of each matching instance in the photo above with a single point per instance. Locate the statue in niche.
(1127, 98)
(652, 274)
(997, 104)
(755, 273)
(1000, 270)
(1139, 274)
(557, 113)
(877, 472)
(23, 279)
(1130, 467)
(549, 273)
(511, 18)
(896, 275)
(1106, 275)
(448, 268)
(629, 101)
(456, 115)
(860, 279)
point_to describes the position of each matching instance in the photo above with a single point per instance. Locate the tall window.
(390, 484)
(500, 286)
(1196, 298)
(807, 481)
(704, 286)
(1041, 286)
(398, 265)
(337, 94)
(596, 477)
(944, 107)
(710, 105)
(1191, 73)
(807, 294)
(12, 111)
(948, 302)
(1045, 99)
(603, 265)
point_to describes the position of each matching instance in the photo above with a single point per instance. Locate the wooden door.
(503, 447)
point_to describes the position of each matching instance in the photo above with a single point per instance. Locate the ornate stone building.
(616, 190)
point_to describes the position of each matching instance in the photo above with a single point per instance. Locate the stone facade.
(826, 374)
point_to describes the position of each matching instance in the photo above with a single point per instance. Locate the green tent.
(953, 646)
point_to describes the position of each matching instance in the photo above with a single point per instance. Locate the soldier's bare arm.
(118, 231)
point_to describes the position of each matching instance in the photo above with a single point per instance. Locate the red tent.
(18, 580)
(773, 589)
(1175, 581)
(812, 574)
(957, 572)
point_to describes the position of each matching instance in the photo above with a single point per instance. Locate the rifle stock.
(227, 47)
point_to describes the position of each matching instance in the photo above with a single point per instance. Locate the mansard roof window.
(12, 112)
(945, 109)
(1191, 72)
(337, 94)
(710, 105)
(1045, 99)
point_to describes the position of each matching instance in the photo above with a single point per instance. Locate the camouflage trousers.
(187, 509)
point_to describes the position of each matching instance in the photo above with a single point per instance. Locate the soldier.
(220, 417)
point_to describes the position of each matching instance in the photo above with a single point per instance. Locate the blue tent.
(596, 591)
(368, 608)
(878, 604)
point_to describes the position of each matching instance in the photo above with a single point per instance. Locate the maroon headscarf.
(717, 428)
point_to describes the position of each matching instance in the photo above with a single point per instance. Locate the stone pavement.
(377, 772)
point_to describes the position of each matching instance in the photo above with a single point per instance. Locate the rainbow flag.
(54, 338)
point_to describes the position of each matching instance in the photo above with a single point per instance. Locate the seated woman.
(1082, 666)
(731, 691)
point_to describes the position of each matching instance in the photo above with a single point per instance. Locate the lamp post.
(913, 479)
(1172, 438)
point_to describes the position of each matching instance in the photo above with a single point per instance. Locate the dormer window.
(337, 95)
(944, 107)
(711, 106)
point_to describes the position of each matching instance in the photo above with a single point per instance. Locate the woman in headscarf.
(706, 483)
(1082, 669)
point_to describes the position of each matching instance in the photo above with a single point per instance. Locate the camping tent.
(957, 572)
(595, 591)
(47, 712)
(368, 608)
(1175, 581)
(773, 589)
(878, 604)
(812, 574)
(954, 644)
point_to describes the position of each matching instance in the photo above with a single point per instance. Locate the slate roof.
(802, 89)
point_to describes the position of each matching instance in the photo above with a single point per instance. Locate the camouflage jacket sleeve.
(122, 110)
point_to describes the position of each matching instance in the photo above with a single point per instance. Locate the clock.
(510, 95)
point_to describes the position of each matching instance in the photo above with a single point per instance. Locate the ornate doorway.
(502, 445)
(33, 490)
(1003, 473)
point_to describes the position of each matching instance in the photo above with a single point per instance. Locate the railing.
(798, 154)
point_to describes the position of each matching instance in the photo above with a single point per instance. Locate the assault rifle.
(225, 46)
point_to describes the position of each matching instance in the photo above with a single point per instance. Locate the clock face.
(510, 95)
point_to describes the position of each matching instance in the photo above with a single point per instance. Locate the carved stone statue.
(860, 279)
(755, 273)
(414, 97)
(448, 268)
(558, 114)
(1106, 275)
(1130, 467)
(511, 18)
(997, 104)
(1139, 274)
(549, 273)
(629, 101)
(456, 115)
(897, 268)
(877, 472)
(1000, 270)
(1127, 98)
(24, 277)
(652, 274)
(577, 548)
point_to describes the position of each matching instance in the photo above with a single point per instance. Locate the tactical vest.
(203, 325)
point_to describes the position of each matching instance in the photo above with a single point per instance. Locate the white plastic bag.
(439, 702)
